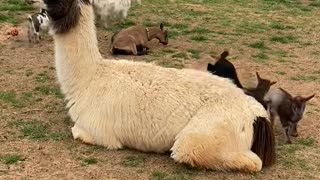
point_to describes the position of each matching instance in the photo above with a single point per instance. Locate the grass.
(304, 78)
(180, 56)
(258, 45)
(283, 39)
(194, 53)
(31, 129)
(10, 158)
(10, 97)
(89, 161)
(14, 5)
(42, 77)
(261, 56)
(158, 175)
(134, 160)
(199, 38)
(46, 90)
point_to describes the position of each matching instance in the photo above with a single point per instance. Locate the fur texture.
(134, 40)
(204, 120)
(287, 108)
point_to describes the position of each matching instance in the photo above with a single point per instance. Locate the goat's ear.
(161, 27)
(308, 98)
(273, 82)
(258, 76)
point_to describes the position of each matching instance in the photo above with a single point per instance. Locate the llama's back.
(149, 105)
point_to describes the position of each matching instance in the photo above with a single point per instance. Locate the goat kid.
(260, 90)
(287, 108)
(134, 40)
(37, 22)
(224, 68)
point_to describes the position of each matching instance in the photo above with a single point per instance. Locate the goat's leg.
(133, 49)
(287, 134)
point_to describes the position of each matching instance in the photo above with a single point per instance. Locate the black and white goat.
(37, 22)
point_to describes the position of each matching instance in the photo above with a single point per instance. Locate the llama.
(134, 40)
(287, 108)
(36, 23)
(204, 120)
(224, 68)
(109, 10)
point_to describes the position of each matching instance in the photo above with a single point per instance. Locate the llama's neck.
(77, 53)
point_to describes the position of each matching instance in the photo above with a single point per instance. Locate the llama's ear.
(308, 98)
(161, 27)
(273, 82)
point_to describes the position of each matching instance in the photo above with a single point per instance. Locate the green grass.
(46, 90)
(8, 19)
(10, 158)
(29, 72)
(258, 45)
(168, 51)
(42, 77)
(283, 39)
(89, 161)
(14, 5)
(11, 98)
(309, 142)
(194, 53)
(199, 38)
(304, 78)
(180, 56)
(158, 175)
(280, 26)
(261, 56)
(134, 160)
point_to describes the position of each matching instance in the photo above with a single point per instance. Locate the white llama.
(205, 120)
(112, 10)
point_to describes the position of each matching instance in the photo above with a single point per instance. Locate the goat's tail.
(224, 54)
(264, 141)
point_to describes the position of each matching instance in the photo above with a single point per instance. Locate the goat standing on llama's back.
(205, 120)
(134, 40)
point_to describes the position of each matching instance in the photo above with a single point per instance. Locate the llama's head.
(264, 84)
(64, 14)
(298, 107)
(162, 35)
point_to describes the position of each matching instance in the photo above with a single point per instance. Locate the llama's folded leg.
(198, 150)
(81, 134)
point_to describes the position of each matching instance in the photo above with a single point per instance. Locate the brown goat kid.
(134, 40)
(289, 109)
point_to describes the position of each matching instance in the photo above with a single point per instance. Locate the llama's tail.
(224, 54)
(264, 141)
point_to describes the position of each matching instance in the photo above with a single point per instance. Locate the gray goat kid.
(37, 22)
(134, 40)
(287, 108)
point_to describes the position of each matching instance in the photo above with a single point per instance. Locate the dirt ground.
(35, 135)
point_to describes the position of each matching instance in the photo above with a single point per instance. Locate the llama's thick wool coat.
(203, 119)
